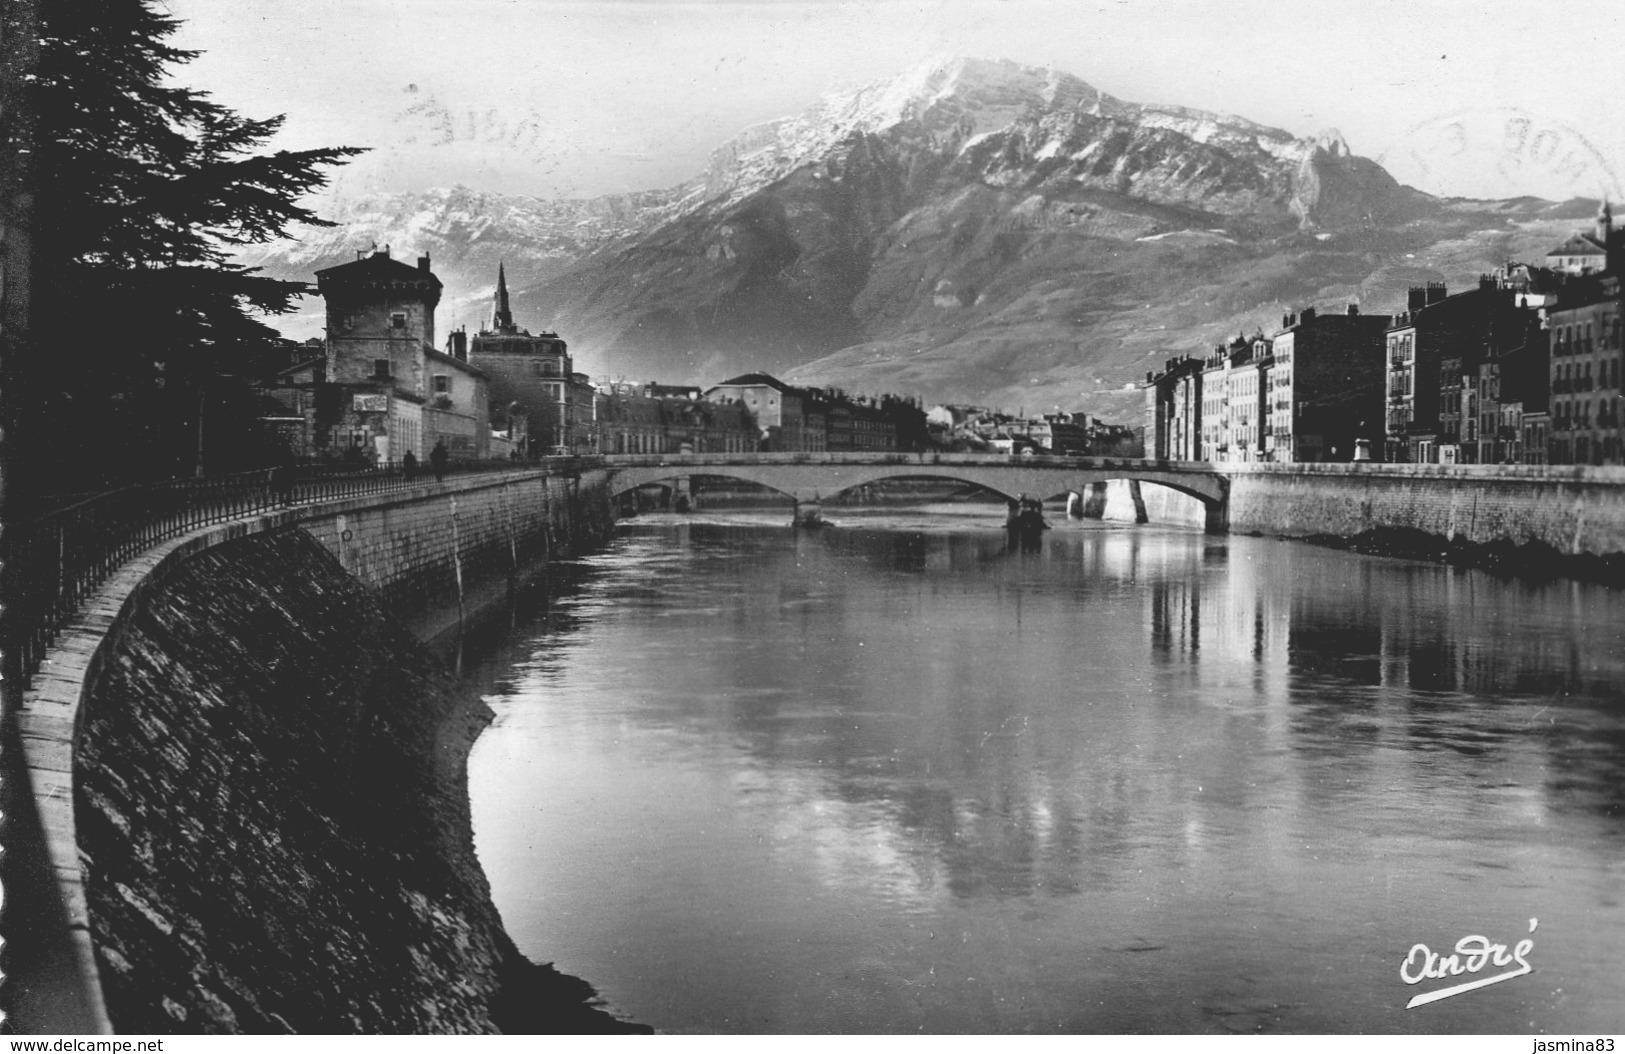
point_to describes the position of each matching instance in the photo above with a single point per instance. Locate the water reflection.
(888, 780)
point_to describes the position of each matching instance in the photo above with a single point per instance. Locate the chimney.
(423, 263)
(1286, 321)
(457, 344)
(1354, 309)
(1416, 299)
(1308, 315)
(1436, 292)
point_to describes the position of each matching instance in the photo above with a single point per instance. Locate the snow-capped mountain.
(969, 228)
(464, 228)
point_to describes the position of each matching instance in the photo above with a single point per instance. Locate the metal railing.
(53, 564)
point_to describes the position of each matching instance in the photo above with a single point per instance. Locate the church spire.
(501, 314)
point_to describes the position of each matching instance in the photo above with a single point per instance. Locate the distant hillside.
(969, 230)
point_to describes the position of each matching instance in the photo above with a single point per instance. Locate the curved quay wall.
(250, 796)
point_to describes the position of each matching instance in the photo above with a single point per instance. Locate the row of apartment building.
(979, 428)
(378, 388)
(1523, 368)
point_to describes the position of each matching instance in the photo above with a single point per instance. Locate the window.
(442, 384)
(397, 320)
(380, 368)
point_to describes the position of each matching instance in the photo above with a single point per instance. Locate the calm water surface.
(894, 777)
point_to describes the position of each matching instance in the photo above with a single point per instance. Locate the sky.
(576, 98)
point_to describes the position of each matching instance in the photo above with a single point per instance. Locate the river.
(896, 776)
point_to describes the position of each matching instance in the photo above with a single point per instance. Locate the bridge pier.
(809, 510)
(1093, 506)
(682, 499)
(1139, 502)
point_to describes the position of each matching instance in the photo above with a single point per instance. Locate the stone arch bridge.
(809, 478)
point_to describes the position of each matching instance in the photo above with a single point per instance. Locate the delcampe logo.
(1472, 954)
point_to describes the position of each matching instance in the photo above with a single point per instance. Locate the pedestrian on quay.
(438, 458)
(282, 483)
(409, 465)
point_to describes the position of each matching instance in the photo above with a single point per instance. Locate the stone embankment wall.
(1573, 511)
(270, 809)
(434, 558)
(268, 826)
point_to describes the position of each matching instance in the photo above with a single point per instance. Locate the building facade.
(1248, 380)
(1326, 386)
(670, 419)
(1185, 413)
(786, 418)
(1467, 330)
(380, 318)
(823, 419)
(1583, 330)
(1590, 252)
(1216, 405)
(536, 395)
(458, 412)
(378, 390)
(1173, 422)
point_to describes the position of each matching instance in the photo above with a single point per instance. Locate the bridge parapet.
(899, 458)
(809, 477)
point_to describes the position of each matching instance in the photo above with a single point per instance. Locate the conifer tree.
(144, 190)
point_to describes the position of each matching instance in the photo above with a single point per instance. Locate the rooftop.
(378, 267)
(752, 380)
(1580, 244)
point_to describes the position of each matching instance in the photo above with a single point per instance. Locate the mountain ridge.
(969, 228)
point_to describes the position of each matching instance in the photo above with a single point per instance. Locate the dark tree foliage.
(145, 188)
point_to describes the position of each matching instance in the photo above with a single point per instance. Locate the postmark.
(1501, 152)
(428, 121)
